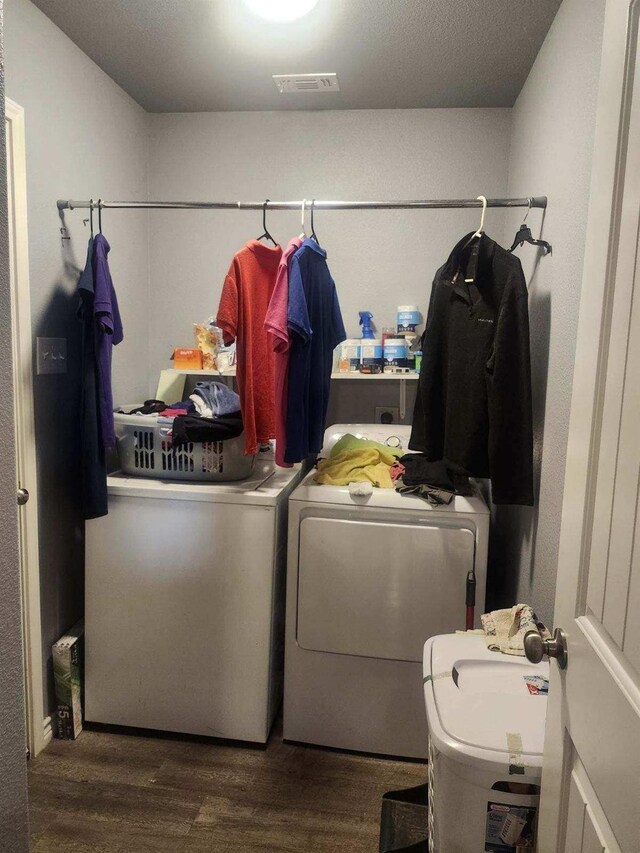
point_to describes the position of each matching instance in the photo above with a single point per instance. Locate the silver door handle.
(535, 648)
(22, 497)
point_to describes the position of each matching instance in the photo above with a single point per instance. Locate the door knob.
(535, 647)
(22, 497)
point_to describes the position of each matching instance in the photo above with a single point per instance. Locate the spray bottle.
(365, 321)
(371, 360)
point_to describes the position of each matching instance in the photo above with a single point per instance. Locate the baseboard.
(41, 740)
(47, 731)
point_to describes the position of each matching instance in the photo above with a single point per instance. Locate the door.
(590, 782)
(38, 729)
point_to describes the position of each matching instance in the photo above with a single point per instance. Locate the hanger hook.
(530, 202)
(484, 210)
(313, 230)
(264, 215)
(304, 204)
(100, 215)
(91, 216)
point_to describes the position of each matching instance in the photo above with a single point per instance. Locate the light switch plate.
(51, 355)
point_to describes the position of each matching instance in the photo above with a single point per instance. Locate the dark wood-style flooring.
(120, 793)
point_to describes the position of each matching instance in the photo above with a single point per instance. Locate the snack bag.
(209, 341)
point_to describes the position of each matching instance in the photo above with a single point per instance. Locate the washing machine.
(184, 604)
(370, 578)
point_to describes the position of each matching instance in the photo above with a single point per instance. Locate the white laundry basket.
(145, 450)
(486, 736)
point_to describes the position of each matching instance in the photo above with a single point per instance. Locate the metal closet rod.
(425, 204)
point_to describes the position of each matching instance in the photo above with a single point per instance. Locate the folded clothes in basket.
(184, 404)
(162, 409)
(213, 399)
(171, 413)
(193, 428)
(151, 407)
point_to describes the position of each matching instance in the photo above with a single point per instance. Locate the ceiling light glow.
(281, 10)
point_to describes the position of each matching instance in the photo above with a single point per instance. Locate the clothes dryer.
(369, 580)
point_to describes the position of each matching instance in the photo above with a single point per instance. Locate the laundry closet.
(303, 281)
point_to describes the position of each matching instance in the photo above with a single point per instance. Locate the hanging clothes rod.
(426, 204)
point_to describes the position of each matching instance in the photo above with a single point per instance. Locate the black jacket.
(473, 406)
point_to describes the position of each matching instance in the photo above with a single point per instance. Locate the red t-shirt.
(243, 306)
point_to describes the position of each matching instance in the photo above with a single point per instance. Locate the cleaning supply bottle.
(365, 322)
(371, 358)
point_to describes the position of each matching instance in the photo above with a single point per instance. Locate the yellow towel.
(357, 466)
(350, 442)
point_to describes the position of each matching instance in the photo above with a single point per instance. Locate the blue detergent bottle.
(371, 360)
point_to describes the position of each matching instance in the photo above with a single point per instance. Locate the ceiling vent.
(306, 83)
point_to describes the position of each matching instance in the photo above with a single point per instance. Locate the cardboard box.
(187, 359)
(67, 671)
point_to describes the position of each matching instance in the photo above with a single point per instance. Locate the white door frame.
(38, 728)
(587, 405)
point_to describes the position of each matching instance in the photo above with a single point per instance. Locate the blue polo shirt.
(316, 328)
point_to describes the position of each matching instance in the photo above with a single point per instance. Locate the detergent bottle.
(371, 360)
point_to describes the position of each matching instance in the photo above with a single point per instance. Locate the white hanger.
(480, 230)
(477, 234)
(304, 233)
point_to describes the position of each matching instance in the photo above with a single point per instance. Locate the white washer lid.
(263, 488)
(479, 707)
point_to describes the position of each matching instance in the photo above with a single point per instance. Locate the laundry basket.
(145, 450)
(486, 715)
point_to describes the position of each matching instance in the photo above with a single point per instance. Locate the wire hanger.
(303, 233)
(313, 230)
(524, 235)
(265, 230)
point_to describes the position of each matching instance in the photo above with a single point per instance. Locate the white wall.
(14, 832)
(378, 259)
(84, 137)
(551, 149)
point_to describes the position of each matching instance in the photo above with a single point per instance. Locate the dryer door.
(378, 589)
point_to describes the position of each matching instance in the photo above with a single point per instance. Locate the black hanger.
(264, 224)
(313, 230)
(100, 215)
(524, 235)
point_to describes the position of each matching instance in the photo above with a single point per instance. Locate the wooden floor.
(130, 794)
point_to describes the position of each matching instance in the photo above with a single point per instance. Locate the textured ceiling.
(206, 55)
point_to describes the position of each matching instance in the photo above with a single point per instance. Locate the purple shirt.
(108, 328)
